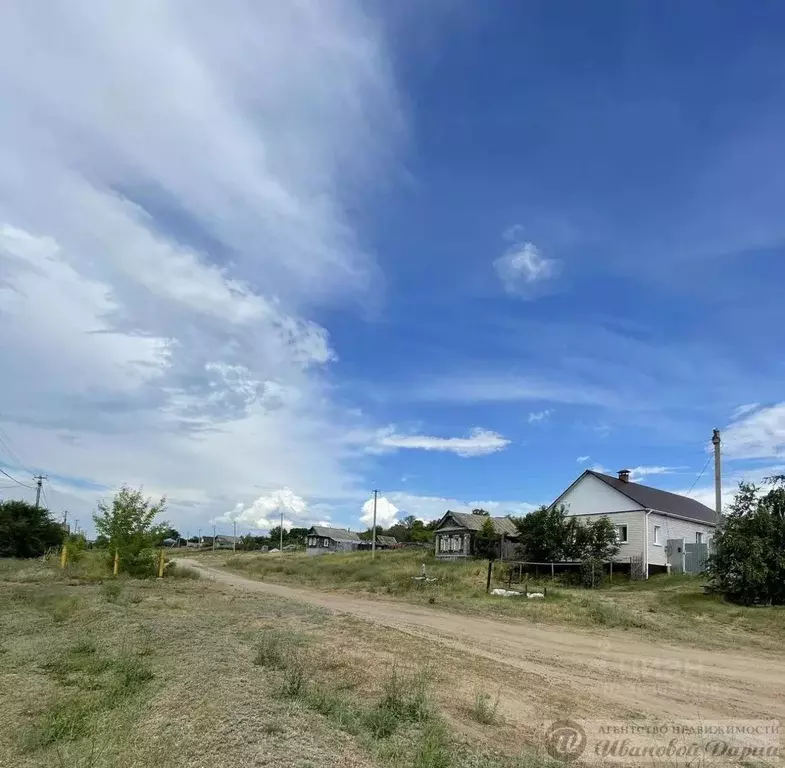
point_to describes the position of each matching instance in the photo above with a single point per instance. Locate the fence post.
(116, 567)
(551, 571)
(592, 574)
(64, 556)
(610, 565)
(490, 570)
(161, 564)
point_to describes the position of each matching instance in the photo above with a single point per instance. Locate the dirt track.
(593, 674)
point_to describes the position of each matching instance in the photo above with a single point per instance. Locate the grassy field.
(668, 608)
(96, 671)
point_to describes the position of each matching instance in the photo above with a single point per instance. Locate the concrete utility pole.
(234, 536)
(39, 480)
(213, 538)
(373, 534)
(280, 543)
(717, 475)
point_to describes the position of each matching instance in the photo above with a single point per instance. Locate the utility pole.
(65, 520)
(717, 475)
(200, 537)
(39, 480)
(234, 536)
(373, 534)
(213, 538)
(76, 527)
(280, 545)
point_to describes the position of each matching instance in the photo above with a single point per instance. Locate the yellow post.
(161, 565)
(64, 556)
(116, 562)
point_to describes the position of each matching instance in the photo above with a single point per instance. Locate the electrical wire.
(5, 441)
(18, 482)
(699, 476)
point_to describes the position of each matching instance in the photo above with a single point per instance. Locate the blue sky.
(269, 261)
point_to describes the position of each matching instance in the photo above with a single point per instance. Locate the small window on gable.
(658, 534)
(621, 534)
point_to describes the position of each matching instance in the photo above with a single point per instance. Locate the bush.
(27, 531)
(748, 561)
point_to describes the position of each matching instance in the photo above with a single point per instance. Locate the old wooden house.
(320, 540)
(454, 535)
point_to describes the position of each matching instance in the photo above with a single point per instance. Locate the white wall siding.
(591, 496)
(673, 528)
(634, 522)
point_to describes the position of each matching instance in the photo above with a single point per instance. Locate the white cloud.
(386, 512)
(535, 417)
(433, 507)
(523, 269)
(756, 434)
(266, 510)
(173, 189)
(582, 459)
(742, 409)
(479, 442)
(639, 473)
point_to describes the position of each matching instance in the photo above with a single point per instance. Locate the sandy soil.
(586, 674)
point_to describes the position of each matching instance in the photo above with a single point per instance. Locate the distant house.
(454, 535)
(382, 542)
(320, 540)
(656, 530)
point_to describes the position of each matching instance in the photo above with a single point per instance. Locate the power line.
(5, 441)
(18, 482)
(699, 476)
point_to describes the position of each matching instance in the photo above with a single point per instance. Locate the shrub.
(747, 563)
(484, 708)
(26, 530)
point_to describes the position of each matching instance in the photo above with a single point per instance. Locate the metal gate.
(695, 556)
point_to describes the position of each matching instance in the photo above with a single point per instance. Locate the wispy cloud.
(523, 269)
(535, 417)
(582, 459)
(756, 434)
(639, 473)
(433, 507)
(478, 442)
(180, 237)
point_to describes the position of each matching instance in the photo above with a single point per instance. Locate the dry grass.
(671, 608)
(180, 673)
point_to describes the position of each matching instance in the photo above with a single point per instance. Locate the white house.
(653, 526)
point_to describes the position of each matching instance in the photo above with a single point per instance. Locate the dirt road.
(592, 673)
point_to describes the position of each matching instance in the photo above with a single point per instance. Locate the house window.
(658, 535)
(621, 534)
(325, 542)
(698, 537)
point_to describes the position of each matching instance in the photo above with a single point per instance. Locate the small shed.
(454, 535)
(382, 542)
(320, 540)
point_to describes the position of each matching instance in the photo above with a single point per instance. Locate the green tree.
(409, 521)
(748, 559)
(27, 531)
(486, 544)
(547, 536)
(128, 524)
(482, 512)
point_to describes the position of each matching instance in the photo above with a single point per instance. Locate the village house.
(656, 530)
(382, 542)
(454, 535)
(320, 540)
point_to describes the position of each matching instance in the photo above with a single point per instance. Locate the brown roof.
(502, 525)
(662, 501)
(336, 534)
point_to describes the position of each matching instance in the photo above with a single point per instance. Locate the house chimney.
(624, 475)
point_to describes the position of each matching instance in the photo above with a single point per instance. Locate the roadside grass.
(178, 673)
(671, 608)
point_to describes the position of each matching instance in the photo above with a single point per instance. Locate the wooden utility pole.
(213, 538)
(280, 531)
(373, 533)
(39, 479)
(234, 536)
(716, 440)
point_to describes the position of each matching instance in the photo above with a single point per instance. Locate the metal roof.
(502, 525)
(336, 534)
(662, 501)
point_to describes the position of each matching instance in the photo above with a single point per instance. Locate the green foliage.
(26, 531)
(128, 524)
(748, 561)
(549, 535)
(486, 541)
